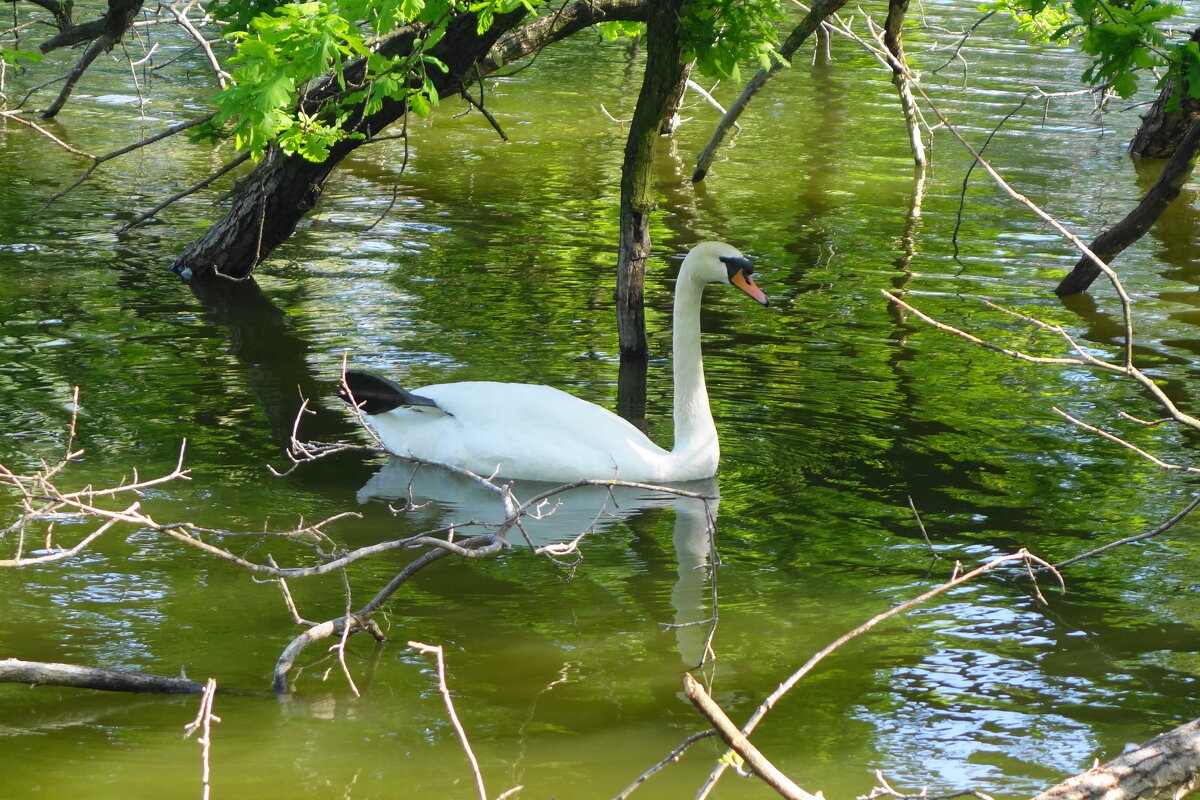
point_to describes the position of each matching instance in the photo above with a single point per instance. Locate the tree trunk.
(1162, 130)
(1110, 243)
(1167, 766)
(269, 202)
(663, 75)
(820, 10)
(893, 40)
(671, 119)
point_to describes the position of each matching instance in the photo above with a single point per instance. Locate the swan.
(533, 432)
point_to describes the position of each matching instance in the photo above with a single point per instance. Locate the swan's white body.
(533, 432)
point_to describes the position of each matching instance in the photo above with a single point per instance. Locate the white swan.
(532, 432)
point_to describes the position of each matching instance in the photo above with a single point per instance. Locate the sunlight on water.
(481, 259)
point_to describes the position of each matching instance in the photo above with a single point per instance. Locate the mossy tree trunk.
(663, 73)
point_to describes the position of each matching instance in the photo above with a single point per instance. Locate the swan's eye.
(736, 264)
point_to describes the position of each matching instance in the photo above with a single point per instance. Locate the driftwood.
(1167, 766)
(41, 673)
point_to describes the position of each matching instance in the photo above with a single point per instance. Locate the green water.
(480, 259)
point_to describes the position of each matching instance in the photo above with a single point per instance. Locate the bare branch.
(1155, 531)
(738, 742)
(39, 673)
(1084, 358)
(237, 161)
(1022, 556)
(670, 758)
(203, 722)
(436, 650)
(186, 24)
(16, 117)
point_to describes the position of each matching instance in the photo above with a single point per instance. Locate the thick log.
(1167, 766)
(41, 673)
(1120, 236)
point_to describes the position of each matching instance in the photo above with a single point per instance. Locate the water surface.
(471, 258)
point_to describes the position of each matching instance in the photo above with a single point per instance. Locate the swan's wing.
(531, 431)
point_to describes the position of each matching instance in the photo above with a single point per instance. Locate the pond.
(460, 256)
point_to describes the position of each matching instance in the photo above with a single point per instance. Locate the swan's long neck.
(695, 432)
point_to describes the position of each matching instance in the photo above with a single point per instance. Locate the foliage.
(1125, 39)
(720, 35)
(723, 33)
(14, 56)
(1040, 21)
(283, 49)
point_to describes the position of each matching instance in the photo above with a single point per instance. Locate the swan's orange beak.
(744, 282)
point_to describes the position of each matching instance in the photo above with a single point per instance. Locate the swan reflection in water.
(441, 498)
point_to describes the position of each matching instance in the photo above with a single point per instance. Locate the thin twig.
(1022, 555)
(436, 650)
(1155, 531)
(203, 722)
(670, 758)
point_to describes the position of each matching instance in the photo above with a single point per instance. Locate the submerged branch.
(40, 673)
(1166, 767)
(1022, 556)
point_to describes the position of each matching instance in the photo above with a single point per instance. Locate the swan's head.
(717, 262)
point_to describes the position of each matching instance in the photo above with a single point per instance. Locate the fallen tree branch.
(670, 758)
(812, 20)
(1167, 766)
(41, 673)
(203, 723)
(738, 742)
(444, 690)
(1022, 556)
(1109, 244)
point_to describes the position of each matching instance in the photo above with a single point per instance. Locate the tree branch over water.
(44, 503)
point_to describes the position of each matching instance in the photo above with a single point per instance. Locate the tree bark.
(1167, 766)
(820, 10)
(270, 201)
(893, 30)
(39, 673)
(663, 75)
(1162, 130)
(1112, 241)
(61, 9)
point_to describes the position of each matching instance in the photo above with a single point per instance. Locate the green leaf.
(13, 56)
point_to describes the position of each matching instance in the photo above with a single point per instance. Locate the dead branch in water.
(43, 503)
(40, 673)
(203, 723)
(1167, 766)
(958, 578)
